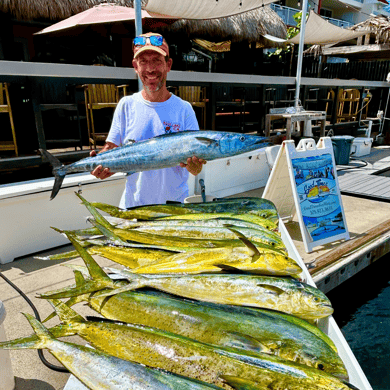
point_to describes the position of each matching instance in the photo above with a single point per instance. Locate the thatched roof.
(378, 25)
(248, 26)
(53, 9)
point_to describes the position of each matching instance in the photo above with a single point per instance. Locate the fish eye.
(320, 366)
(242, 138)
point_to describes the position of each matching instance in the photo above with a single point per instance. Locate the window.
(326, 12)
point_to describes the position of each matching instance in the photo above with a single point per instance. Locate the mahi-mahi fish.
(177, 354)
(257, 210)
(255, 330)
(99, 370)
(163, 151)
(193, 359)
(277, 293)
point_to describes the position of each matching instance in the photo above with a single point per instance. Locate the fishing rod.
(37, 316)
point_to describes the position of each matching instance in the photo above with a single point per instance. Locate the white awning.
(320, 32)
(203, 9)
(274, 39)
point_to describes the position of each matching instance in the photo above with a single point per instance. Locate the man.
(151, 112)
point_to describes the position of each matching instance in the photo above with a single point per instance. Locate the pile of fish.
(208, 299)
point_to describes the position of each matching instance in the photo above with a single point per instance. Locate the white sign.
(304, 181)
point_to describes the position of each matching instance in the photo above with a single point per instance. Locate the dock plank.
(361, 184)
(351, 178)
(366, 184)
(369, 183)
(379, 190)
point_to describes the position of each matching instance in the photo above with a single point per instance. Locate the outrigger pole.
(138, 28)
(300, 54)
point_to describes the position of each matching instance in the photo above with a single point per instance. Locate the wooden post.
(37, 113)
(213, 105)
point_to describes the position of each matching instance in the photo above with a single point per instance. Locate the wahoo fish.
(100, 371)
(260, 207)
(250, 329)
(283, 294)
(164, 151)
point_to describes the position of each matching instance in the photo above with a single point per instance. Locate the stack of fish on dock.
(208, 299)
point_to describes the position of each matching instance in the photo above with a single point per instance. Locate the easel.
(304, 181)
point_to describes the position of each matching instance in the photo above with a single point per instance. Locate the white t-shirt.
(137, 119)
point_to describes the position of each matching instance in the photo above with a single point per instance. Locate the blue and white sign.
(304, 182)
(318, 196)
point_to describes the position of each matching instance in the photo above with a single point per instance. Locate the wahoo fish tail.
(59, 172)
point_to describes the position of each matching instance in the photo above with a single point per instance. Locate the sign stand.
(304, 181)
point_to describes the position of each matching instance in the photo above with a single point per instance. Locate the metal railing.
(287, 15)
(339, 22)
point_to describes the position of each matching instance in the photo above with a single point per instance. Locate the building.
(342, 13)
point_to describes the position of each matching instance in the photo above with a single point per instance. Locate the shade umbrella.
(204, 9)
(106, 17)
(105, 20)
(255, 26)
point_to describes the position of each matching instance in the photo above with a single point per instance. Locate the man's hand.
(100, 172)
(194, 165)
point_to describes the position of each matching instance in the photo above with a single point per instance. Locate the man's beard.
(158, 87)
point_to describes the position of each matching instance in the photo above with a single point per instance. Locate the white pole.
(300, 53)
(138, 28)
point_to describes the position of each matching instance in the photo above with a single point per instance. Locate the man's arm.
(100, 172)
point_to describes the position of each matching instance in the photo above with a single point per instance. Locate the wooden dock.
(368, 186)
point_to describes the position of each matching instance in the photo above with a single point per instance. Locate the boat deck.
(330, 264)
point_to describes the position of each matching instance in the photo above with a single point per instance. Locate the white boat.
(29, 201)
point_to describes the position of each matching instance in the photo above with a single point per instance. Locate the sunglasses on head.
(155, 40)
